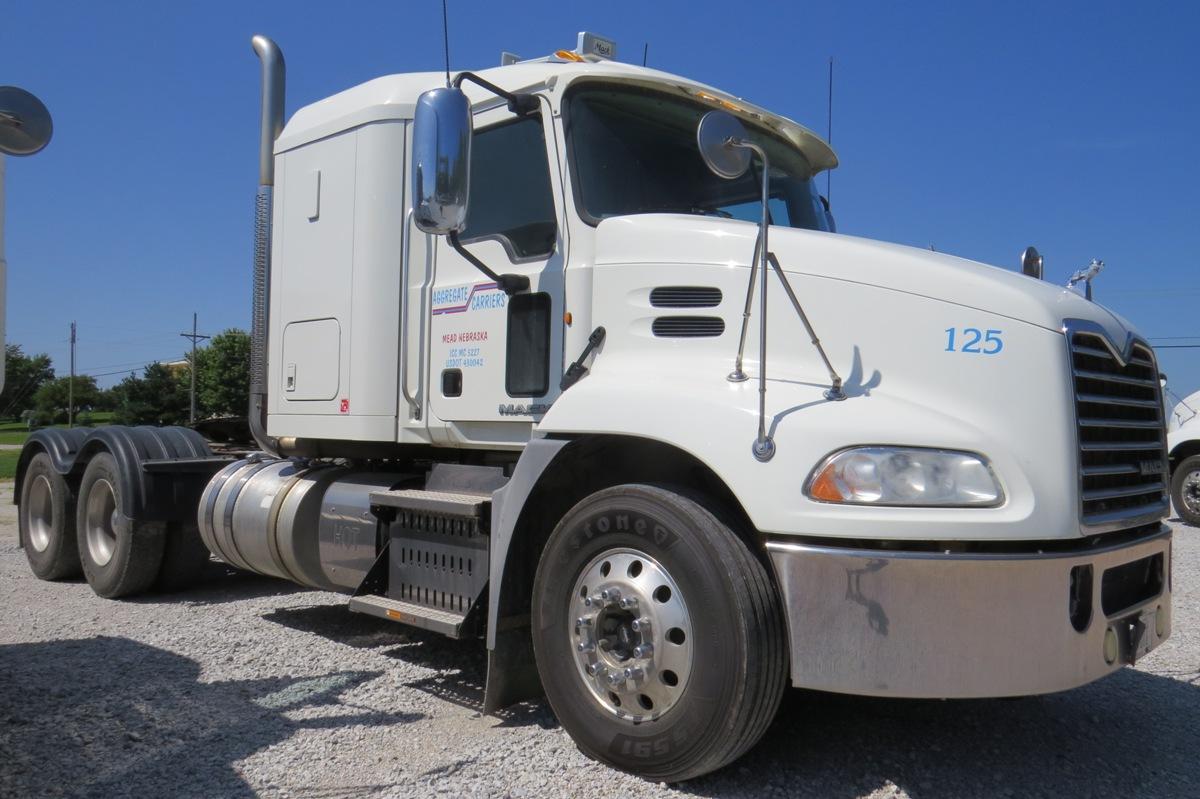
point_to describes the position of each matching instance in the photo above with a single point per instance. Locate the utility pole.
(71, 384)
(194, 336)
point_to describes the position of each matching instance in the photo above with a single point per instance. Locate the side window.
(511, 196)
(527, 361)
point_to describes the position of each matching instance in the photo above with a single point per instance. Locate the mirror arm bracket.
(509, 284)
(519, 104)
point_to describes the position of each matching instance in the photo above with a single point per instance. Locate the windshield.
(634, 151)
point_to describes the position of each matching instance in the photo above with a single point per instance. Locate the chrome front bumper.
(936, 625)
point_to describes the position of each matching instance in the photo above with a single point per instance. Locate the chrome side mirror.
(720, 136)
(441, 160)
(1031, 263)
(25, 125)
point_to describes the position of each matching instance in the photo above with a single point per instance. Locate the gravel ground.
(249, 687)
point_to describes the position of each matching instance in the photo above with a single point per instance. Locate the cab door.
(496, 359)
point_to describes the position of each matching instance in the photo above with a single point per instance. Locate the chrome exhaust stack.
(273, 70)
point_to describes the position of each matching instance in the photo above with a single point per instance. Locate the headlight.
(905, 476)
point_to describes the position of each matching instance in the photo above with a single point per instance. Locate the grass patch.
(17, 432)
(8, 463)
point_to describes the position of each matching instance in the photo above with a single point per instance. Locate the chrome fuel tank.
(308, 523)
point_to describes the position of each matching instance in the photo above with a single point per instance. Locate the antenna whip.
(446, 41)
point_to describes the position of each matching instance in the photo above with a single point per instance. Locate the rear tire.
(711, 681)
(47, 521)
(120, 556)
(184, 558)
(1185, 490)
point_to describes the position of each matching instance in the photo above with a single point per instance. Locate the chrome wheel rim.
(101, 522)
(41, 513)
(1191, 491)
(631, 633)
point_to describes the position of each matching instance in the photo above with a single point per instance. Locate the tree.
(158, 397)
(223, 375)
(53, 398)
(23, 376)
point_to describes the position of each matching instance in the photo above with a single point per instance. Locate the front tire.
(659, 637)
(1185, 490)
(47, 521)
(120, 556)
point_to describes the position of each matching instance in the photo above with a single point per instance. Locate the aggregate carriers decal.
(464, 352)
(461, 299)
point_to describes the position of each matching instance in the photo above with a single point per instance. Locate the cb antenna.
(829, 134)
(446, 41)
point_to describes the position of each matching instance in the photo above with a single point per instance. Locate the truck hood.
(682, 239)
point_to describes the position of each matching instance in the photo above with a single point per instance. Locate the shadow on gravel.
(112, 717)
(1131, 734)
(220, 584)
(461, 665)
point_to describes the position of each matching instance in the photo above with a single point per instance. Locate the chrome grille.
(1122, 440)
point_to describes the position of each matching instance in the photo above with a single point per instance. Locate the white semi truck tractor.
(565, 357)
(1183, 444)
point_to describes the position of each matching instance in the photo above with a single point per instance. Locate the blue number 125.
(972, 337)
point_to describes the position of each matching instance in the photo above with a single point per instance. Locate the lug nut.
(643, 650)
(593, 601)
(616, 678)
(594, 669)
(641, 625)
(628, 603)
(586, 647)
(583, 621)
(610, 595)
(634, 673)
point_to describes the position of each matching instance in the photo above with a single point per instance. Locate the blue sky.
(979, 129)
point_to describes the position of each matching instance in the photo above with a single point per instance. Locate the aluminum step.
(438, 621)
(436, 503)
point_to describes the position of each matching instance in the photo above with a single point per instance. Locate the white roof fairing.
(395, 97)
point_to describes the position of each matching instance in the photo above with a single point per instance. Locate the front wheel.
(1185, 490)
(659, 636)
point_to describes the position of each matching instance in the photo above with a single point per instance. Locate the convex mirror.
(716, 134)
(25, 126)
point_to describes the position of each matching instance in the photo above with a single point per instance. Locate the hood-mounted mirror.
(25, 125)
(718, 136)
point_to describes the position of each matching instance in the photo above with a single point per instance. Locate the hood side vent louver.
(685, 297)
(688, 326)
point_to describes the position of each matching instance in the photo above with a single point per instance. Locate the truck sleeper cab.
(512, 342)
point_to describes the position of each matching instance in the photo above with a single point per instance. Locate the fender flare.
(62, 445)
(144, 494)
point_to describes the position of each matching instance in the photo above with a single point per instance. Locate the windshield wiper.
(693, 209)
